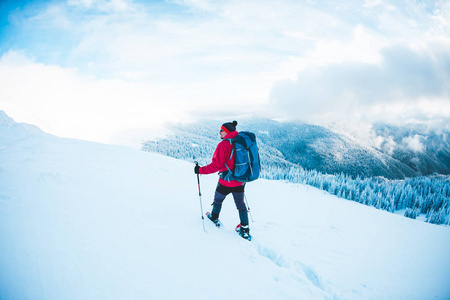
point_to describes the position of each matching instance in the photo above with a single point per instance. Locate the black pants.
(237, 192)
(238, 195)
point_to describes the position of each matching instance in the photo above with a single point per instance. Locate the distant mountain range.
(401, 152)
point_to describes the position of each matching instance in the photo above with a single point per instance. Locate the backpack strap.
(231, 156)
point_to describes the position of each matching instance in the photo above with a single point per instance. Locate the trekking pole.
(248, 208)
(200, 196)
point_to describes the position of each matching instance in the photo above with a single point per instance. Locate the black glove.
(197, 169)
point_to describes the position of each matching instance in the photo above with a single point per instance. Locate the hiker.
(224, 187)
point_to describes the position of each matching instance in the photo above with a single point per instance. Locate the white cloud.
(102, 5)
(406, 86)
(414, 143)
(371, 3)
(62, 102)
(388, 144)
(316, 61)
(364, 47)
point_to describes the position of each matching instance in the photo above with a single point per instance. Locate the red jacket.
(220, 157)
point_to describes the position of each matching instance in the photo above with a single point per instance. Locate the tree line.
(428, 195)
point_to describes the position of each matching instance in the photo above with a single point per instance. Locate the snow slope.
(80, 220)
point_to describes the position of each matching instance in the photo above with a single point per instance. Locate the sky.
(114, 71)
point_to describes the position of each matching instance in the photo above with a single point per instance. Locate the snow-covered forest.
(428, 195)
(423, 197)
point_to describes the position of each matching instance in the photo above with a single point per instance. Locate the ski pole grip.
(198, 180)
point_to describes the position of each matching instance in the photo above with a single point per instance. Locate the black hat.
(229, 127)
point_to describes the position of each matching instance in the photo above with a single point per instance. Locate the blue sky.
(102, 70)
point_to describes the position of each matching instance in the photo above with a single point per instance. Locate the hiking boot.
(244, 231)
(214, 218)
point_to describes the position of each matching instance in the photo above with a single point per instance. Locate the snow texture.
(80, 220)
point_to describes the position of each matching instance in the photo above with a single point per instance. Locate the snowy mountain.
(81, 220)
(423, 150)
(403, 152)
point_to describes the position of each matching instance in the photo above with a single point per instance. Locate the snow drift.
(80, 220)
